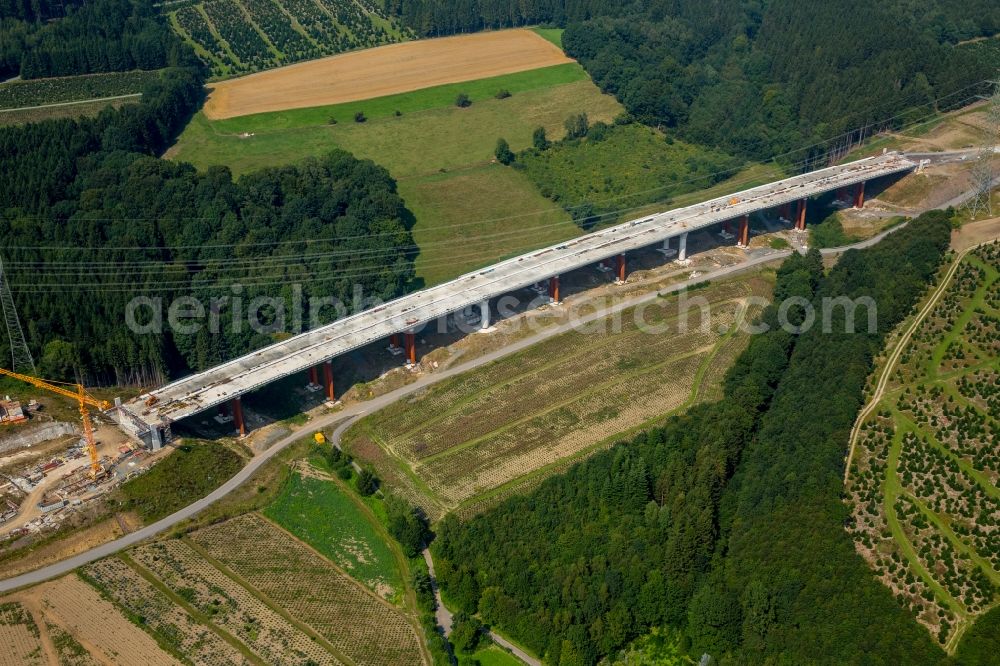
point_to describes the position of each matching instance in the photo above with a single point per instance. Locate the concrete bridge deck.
(204, 390)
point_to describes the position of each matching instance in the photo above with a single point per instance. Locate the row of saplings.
(410, 527)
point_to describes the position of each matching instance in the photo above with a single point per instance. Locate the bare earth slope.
(381, 71)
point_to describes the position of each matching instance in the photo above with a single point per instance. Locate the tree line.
(759, 79)
(91, 218)
(790, 78)
(725, 522)
(45, 39)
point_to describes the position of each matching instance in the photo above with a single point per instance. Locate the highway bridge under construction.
(149, 416)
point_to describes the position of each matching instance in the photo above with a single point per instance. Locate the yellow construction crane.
(76, 392)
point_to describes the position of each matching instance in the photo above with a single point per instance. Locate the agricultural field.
(383, 71)
(230, 606)
(923, 486)
(621, 168)
(85, 628)
(314, 509)
(242, 36)
(19, 637)
(177, 630)
(61, 110)
(466, 441)
(69, 97)
(39, 92)
(439, 154)
(360, 625)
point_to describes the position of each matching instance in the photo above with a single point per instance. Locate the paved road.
(444, 619)
(349, 415)
(355, 411)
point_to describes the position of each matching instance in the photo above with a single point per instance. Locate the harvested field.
(385, 70)
(96, 624)
(365, 628)
(68, 650)
(472, 437)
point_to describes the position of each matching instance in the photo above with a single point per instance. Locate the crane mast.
(83, 399)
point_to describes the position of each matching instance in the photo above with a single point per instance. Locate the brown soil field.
(94, 622)
(386, 70)
(974, 233)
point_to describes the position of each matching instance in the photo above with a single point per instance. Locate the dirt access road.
(355, 411)
(385, 70)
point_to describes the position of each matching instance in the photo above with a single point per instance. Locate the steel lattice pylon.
(982, 171)
(20, 354)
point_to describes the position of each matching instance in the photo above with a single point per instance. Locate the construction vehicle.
(76, 392)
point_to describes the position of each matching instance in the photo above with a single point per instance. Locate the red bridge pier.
(411, 347)
(800, 215)
(328, 380)
(237, 407)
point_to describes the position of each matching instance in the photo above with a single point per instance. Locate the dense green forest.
(90, 218)
(762, 78)
(41, 39)
(727, 521)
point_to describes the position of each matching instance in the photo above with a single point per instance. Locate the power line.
(982, 170)
(290, 261)
(21, 360)
(775, 158)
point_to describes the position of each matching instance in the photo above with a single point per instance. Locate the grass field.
(315, 510)
(623, 168)
(431, 134)
(468, 440)
(489, 656)
(195, 469)
(440, 155)
(924, 484)
(554, 35)
(509, 215)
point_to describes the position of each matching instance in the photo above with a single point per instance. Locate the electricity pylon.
(21, 355)
(982, 170)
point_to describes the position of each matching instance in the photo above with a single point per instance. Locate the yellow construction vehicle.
(76, 392)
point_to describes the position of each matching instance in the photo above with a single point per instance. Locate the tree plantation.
(725, 522)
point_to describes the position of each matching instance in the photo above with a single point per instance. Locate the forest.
(91, 218)
(763, 78)
(724, 522)
(44, 39)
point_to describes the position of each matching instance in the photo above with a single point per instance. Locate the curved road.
(352, 412)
